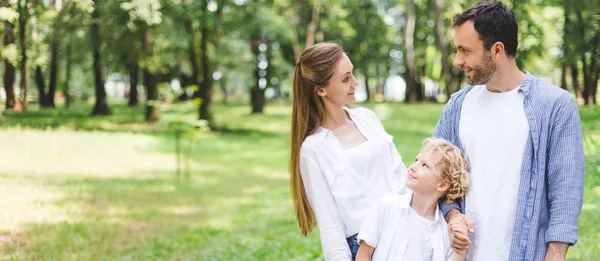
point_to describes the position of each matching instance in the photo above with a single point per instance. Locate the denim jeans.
(353, 244)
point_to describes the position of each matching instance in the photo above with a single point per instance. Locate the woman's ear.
(320, 91)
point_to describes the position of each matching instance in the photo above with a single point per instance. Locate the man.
(523, 139)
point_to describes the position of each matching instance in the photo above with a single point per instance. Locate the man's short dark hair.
(494, 22)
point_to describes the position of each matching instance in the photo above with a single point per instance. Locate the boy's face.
(423, 174)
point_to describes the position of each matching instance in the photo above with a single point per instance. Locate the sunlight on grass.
(26, 203)
(81, 188)
(94, 154)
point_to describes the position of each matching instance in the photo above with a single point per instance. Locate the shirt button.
(528, 213)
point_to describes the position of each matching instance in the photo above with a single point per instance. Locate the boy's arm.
(365, 252)
(458, 257)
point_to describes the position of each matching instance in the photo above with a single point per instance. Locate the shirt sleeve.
(331, 227)
(370, 229)
(443, 130)
(565, 173)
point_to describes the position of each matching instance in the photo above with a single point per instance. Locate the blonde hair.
(314, 69)
(453, 167)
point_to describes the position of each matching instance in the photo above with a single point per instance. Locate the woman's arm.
(331, 227)
(365, 252)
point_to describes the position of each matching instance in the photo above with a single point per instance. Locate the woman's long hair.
(314, 69)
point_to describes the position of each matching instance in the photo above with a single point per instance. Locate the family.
(501, 178)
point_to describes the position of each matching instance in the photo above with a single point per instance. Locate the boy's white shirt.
(340, 197)
(387, 228)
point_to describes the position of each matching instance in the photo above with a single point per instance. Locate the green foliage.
(8, 14)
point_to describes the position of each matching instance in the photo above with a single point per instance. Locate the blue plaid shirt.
(551, 186)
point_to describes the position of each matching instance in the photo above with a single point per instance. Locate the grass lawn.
(74, 187)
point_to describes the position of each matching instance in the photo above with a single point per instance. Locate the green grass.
(73, 187)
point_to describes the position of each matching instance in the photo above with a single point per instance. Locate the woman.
(342, 160)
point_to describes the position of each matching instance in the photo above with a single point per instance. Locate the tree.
(24, 83)
(413, 92)
(8, 64)
(101, 107)
(440, 30)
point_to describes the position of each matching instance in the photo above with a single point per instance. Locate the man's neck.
(506, 79)
(424, 205)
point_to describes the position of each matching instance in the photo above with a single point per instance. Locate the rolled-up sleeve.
(565, 173)
(318, 192)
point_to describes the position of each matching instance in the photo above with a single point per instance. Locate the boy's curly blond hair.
(453, 167)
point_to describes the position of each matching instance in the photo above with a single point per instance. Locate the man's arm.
(365, 252)
(443, 130)
(565, 177)
(557, 251)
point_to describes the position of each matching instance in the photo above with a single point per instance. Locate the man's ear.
(320, 91)
(497, 49)
(444, 185)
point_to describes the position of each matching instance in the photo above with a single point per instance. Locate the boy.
(410, 226)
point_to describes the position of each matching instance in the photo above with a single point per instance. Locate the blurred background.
(158, 129)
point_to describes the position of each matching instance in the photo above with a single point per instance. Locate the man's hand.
(557, 251)
(459, 241)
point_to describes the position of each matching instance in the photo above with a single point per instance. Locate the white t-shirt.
(493, 131)
(398, 233)
(361, 160)
(339, 195)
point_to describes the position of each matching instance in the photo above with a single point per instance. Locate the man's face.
(471, 56)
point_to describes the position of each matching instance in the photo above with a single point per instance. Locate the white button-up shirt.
(339, 196)
(396, 233)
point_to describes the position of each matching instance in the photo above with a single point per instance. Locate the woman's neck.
(424, 205)
(335, 117)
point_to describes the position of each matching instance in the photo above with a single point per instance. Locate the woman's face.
(341, 86)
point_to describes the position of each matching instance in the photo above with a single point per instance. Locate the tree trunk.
(24, 84)
(257, 94)
(206, 87)
(9, 68)
(566, 46)
(66, 85)
(594, 71)
(186, 81)
(412, 90)
(563, 77)
(150, 82)
(223, 83)
(366, 73)
(440, 30)
(53, 74)
(575, 82)
(595, 87)
(193, 57)
(312, 26)
(39, 82)
(101, 107)
(459, 79)
(293, 15)
(134, 69)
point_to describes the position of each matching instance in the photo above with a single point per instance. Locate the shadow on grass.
(162, 218)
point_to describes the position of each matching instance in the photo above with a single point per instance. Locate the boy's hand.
(458, 227)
